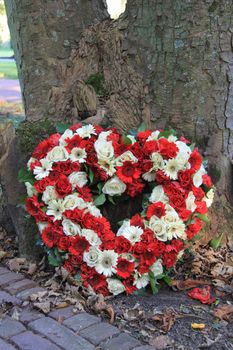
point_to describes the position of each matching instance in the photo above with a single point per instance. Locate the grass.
(6, 52)
(8, 70)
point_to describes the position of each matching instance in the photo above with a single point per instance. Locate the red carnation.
(124, 268)
(167, 149)
(137, 220)
(150, 147)
(135, 188)
(63, 186)
(128, 172)
(41, 185)
(185, 179)
(122, 245)
(85, 193)
(198, 193)
(129, 286)
(158, 209)
(143, 135)
(34, 209)
(194, 228)
(161, 177)
(195, 160)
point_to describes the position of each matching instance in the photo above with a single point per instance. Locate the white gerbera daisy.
(92, 237)
(126, 156)
(86, 131)
(78, 155)
(141, 281)
(176, 229)
(70, 228)
(171, 168)
(108, 166)
(133, 233)
(42, 171)
(55, 208)
(107, 262)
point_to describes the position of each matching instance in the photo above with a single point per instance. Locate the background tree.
(167, 62)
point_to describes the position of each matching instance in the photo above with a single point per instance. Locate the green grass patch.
(8, 70)
(6, 52)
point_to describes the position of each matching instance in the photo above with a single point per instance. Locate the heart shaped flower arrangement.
(72, 174)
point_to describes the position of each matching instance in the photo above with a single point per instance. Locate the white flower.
(72, 201)
(197, 178)
(158, 195)
(141, 281)
(93, 210)
(91, 257)
(149, 176)
(126, 156)
(78, 155)
(172, 138)
(92, 237)
(57, 154)
(153, 136)
(86, 131)
(132, 139)
(157, 268)
(171, 168)
(55, 208)
(133, 234)
(115, 286)
(108, 166)
(128, 256)
(104, 150)
(30, 189)
(49, 194)
(78, 178)
(209, 197)
(43, 170)
(31, 160)
(157, 160)
(68, 134)
(190, 202)
(104, 135)
(70, 228)
(107, 262)
(176, 229)
(125, 224)
(114, 186)
(159, 228)
(42, 226)
(184, 150)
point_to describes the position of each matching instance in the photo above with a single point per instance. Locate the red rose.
(157, 209)
(185, 179)
(124, 268)
(66, 168)
(41, 185)
(63, 186)
(201, 207)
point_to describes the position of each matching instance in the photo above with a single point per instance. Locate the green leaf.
(25, 175)
(192, 146)
(141, 291)
(203, 217)
(61, 128)
(167, 279)
(111, 200)
(216, 242)
(153, 283)
(53, 260)
(100, 186)
(100, 200)
(142, 127)
(91, 176)
(126, 139)
(167, 133)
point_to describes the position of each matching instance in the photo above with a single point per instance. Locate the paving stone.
(26, 316)
(122, 341)
(31, 341)
(9, 327)
(25, 294)
(10, 277)
(63, 313)
(7, 298)
(81, 321)
(99, 332)
(20, 286)
(3, 270)
(59, 334)
(6, 346)
(145, 347)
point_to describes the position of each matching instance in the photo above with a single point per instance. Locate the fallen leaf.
(167, 319)
(38, 295)
(32, 268)
(2, 254)
(16, 264)
(198, 325)
(99, 305)
(62, 305)
(224, 312)
(133, 314)
(203, 295)
(160, 342)
(43, 306)
(188, 284)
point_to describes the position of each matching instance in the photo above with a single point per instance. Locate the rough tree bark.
(168, 62)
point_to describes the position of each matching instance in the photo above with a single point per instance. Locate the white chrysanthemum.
(78, 155)
(157, 160)
(72, 201)
(104, 150)
(159, 228)
(114, 186)
(92, 237)
(93, 210)
(171, 168)
(197, 178)
(68, 134)
(176, 229)
(154, 136)
(91, 257)
(41, 226)
(42, 171)
(70, 228)
(108, 166)
(31, 160)
(141, 281)
(209, 197)
(158, 195)
(190, 202)
(133, 234)
(149, 176)
(157, 268)
(86, 131)
(57, 154)
(49, 194)
(107, 262)
(126, 156)
(115, 286)
(78, 178)
(30, 189)
(55, 208)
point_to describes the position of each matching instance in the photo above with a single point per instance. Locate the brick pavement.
(61, 329)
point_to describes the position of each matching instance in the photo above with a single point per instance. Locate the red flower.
(167, 149)
(50, 236)
(66, 167)
(150, 147)
(185, 179)
(129, 286)
(194, 228)
(198, 193)
(203, 295)
(41, 185)
(137, 220)
(207, 180)
(161, 177)
(135, 188)
(143, 135)
(195, 160)
(73, 142)
(122, 245)
(201, 207)
(34, 209)
(45, 146)
(85, 193)
(63, 186)
(178, 202)
(78, 245)
(75, 126)
(128, 172)
(124, 268)
(185, 214)
(63, 243)
(157, 209)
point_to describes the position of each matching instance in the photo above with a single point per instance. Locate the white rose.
(190, 202)
(209, 197)
(49, 194)
(91, 257)
(70, 228)
(126, 156)
(73, 201)
(184, 150)
(197, 178)
(159, 227)
(141, 281)
(57, 154)
(114, 186)
(68, 134)
(78, 178)
(91, 236)
(30, 189)
(93, 210)
(104, 134)
(104, 149)
(158, 195)
(157, 268)
(115, 286)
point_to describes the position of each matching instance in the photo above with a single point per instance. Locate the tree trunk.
(167, 62)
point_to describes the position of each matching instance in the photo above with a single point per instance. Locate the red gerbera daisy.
(124, 268)
(128, 172)
(157, 209)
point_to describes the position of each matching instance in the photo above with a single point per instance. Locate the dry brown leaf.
(43, 306)
(99, 305)
(38, 295)
(32, 268)
(224, 312)
(133, 314)
(167, 319)
(16, 264)
(188, 284)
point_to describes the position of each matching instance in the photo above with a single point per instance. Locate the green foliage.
(55, 257)
(61, 128)
(98, 83)
(215, 243)
(142, 127)
(203, 217)
(126, 140)
(26, 175)
(167, 133)
(100, 199)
